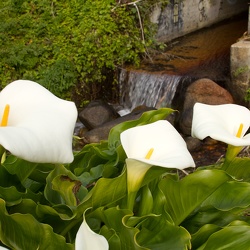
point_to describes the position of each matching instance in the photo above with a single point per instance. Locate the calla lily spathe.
(169, 149)
(86, 239)
(39, 125)
(226, 123)
(157, 144)
(3, 248)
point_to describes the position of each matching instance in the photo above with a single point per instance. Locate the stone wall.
(181, 17)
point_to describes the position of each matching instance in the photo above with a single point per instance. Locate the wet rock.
(97, 113)
(203, 91)
(192, 143)
(102, 132)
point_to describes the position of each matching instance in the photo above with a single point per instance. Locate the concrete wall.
(240, 71)
(181, 17)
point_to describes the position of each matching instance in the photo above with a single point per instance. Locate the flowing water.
(142, 88)
(202, 54)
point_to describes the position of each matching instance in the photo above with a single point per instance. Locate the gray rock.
(102, 132)
(192, 143)
(97, 113)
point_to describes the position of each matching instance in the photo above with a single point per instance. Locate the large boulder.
(203, 91)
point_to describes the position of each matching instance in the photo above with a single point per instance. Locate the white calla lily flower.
(157, 144)
(36, 125)
(86, 239)
(226, 123)
(3, 248)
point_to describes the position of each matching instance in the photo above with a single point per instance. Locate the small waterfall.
(144, 88)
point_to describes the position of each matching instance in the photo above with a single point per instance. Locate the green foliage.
(41, 205)
(71, 43)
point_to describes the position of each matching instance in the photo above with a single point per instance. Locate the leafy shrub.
(70, 43)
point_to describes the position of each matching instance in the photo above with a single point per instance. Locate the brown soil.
(209, 153)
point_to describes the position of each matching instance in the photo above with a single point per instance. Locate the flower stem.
(131, 200)
(136, 171)
(232, 152)
(70, 226)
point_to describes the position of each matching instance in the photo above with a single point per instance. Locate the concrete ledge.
(179, 18)
(240, 70)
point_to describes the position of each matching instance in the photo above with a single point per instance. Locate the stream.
(202, 54)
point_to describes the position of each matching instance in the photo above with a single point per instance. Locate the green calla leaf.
(159, 201)
(239, 223)
(186, 195)
(230, 238)
(25, 206)
(11, 195)
(158, 234)
(41, 172)
(237, 196)
(110, 170)
(42, 213)
(65, 212)
(115, 220)
(146, 203)
(19, 167)
(121, 155)
(23, 231)
(154, 173)
(113, 239)
(137, 221)
(239, 168)
(92, 175)
(106, 191)
(62, 187)
(57, 216)
(125, 231)
(209, 215)
(8, 180)
(67, 188)
(24, 169)
(92, 155)
(201, 236)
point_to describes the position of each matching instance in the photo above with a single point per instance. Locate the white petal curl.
(40, 125)
(86, 239)
(170, 149)
(221, 122)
